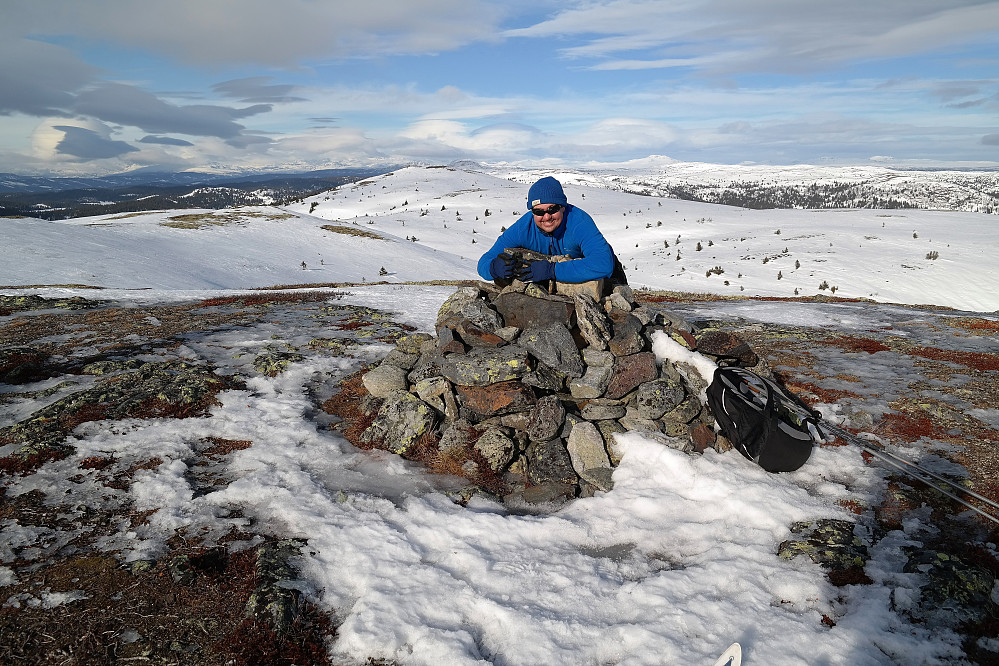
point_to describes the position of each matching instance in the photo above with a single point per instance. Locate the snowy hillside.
(433, 223)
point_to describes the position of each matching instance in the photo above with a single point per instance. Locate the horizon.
(110, 87)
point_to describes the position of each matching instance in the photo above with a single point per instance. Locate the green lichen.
(828, 542)
(272, 362)
(164, 389)
(32, 302)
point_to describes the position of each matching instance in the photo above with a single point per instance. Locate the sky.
(113, 85)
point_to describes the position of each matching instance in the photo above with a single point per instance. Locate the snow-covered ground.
(670, 567)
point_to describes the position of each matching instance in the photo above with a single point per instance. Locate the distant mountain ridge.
(144, 190)
(801, 186)
(745, 186)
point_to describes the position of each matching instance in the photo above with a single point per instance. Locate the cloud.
(128, 105)
(39, 79)
(165, 140)
(212, 32)
(255, 89)
(729, 36)
(88, 144)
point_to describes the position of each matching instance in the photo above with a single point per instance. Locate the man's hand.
(537, 271)
(503, 267)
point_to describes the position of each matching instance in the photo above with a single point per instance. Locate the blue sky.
(109, 85)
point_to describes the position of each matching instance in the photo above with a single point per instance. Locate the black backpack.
(767, 423)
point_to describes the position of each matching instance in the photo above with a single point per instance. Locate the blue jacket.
(577, 236)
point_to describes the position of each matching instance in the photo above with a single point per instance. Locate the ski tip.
(730, 657)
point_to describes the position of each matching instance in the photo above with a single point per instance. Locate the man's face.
(547, 222)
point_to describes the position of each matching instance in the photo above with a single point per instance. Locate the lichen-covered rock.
(549, 463)
(33, 302)
(546, 419)
(482, 367)
(828, 542)
(632, 420)
(497, 448)
(429, 365)
(163, 389)
(545, 378)
(657, 397)
(676, 420)
(598, 357)
(401, 359)
(459, 435)
(456, 302)
(111, 366)
(552, 344)
(956, 592)
(384, 379)
(413, 343)
(436, 391)
(402, 419)
(274, 601)
(19, 365)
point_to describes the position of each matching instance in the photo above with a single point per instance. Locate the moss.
(350, 231)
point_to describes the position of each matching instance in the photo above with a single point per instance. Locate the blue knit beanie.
(547, 190)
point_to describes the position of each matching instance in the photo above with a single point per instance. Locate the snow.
(671, 566)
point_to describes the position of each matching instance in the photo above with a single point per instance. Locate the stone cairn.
(523, 390)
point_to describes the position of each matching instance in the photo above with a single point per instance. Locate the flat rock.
(586, 449)
(552, 344)
(602, 408)
(481, 367)
(630, 372)
(525, 311)
(498, 398)
(593, 383)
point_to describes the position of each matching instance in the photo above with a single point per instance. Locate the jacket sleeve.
(512, 237)
(598, 257)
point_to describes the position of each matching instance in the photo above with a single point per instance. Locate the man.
(553, 227)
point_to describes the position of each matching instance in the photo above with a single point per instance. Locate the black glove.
(537, 271)
(503, 267)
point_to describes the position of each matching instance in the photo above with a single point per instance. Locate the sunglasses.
(551, 210)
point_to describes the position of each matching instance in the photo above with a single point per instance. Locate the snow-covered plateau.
(675, 563)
